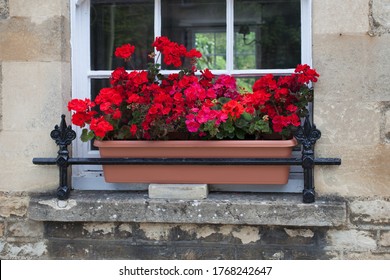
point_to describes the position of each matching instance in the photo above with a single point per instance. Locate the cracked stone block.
(4, 9)
(379, 17)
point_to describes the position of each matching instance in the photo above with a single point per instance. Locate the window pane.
(200, 24)
(267, 34)
(212, 45)
(114, 23)
(97, 85)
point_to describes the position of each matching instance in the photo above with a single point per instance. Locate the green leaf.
(240, 134)
(248, 117)
(87, 135)
(223, 100)
(228, 127)
(241, 123)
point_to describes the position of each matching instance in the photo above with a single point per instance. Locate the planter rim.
(196, 143)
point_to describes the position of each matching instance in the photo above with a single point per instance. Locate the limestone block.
(374, 211)
(366, 256)
(242, 209)
(17, 149)
(363, 171)
(377, 78)
(379, 17)
(385, 239)
(351, 240)
(178, 191)
(341, 62)
(27, 228)
(2, 229)
(4, 9)
(348, 123)
(157, 232)
(222, 233)
(13, 204)
(99, 229)
(352, 68)
(24, 250)
(333, 16)
(386, 123)
(38, 10)
(33, 94)
(23, 40)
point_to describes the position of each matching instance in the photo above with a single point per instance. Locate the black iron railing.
(307, 135)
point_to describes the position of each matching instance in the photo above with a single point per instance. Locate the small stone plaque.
(178, 191)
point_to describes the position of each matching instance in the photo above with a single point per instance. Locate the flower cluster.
(191, 104)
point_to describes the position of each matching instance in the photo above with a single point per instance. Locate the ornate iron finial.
(63, 135)
(307, 135)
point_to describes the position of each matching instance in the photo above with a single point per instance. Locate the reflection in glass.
(200, 24)
(114, 23)
(267, 34)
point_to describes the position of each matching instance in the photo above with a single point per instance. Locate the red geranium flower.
(147, 105)
(124, 51)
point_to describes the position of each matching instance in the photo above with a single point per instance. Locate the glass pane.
(114, 23)
(97, 85)
(200, 24)
(213, 48)
(267, 34)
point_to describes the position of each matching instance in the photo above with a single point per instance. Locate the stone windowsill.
(218, 208)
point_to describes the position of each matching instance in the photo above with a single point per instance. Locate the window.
(244, 38)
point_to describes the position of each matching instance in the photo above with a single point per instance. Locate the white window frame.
(90, 177)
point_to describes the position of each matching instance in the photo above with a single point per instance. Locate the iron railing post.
(63, 135)
(307, 135)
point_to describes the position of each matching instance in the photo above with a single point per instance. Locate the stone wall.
(34, 88)
(352, 96)
(33, 227)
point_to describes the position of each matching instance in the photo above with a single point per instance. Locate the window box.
(210, 174)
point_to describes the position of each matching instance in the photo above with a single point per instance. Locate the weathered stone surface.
(331, 17)
(379, 17)
(354, 240)
(4, 9)
(385, 124)
(352, 68)
(99, 229)
(329, 115)
(206, 252)
(1, 98)
(32, 250)
(25, 228)
(178, 191)
(23, 84)
(366, 176)
(366, 256)
(372, 211)
(257, 209)
(13, 204)
(23, 40)
(38, 10)
(305, 233)
(385, 239)
(2, 227)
